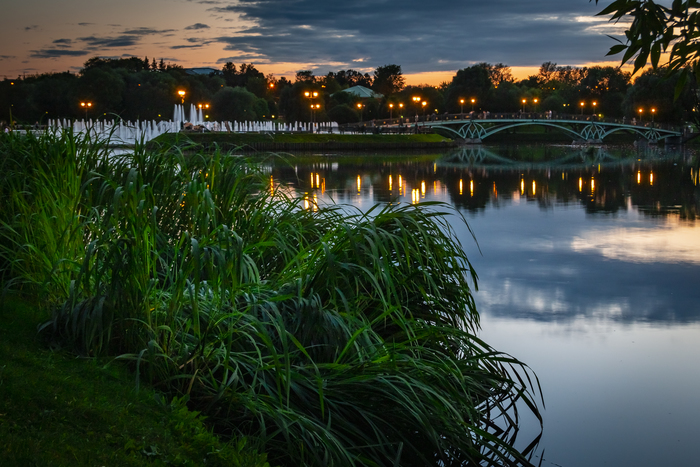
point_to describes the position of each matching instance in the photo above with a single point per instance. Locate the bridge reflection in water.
(569, 158)
(658, 182)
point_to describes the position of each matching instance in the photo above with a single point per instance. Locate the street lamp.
(86, 106)
(401, 110)
(524, 102)
(461, 106)
(424, 104)
(535, 101)
(653, 111)
(359, 106)
(314, 107)
(416, 100)
(582, 105)
(391, 111)
(594, 104)
(181, 93)
(311, 95)
(473, 101)
(640, 115)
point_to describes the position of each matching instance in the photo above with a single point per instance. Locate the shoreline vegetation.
(273, 142)
(301, 142)
(315, 337)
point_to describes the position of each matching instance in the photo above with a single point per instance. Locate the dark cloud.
(419, 35)
(63, 43)
(146, 31)
(31, 28)
(241, 58)
(197, 26)
(194, 46)
(128, 38)
(195, 42)
(110, 42)
(7, 57)
(57, 53)
(85, 24)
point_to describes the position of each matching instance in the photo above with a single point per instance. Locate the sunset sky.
(429, 39)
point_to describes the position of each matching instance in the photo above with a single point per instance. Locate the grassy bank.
(61, 411)
(307, 141)
(326, 337)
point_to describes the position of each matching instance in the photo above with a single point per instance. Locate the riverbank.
(59, 410)
(305, 142)
(299, 142)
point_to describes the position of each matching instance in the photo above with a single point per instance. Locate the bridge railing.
(408, 124)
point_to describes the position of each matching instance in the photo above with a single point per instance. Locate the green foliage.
(148, 95)
(331, 337)
(656, 89)
(241, 77)
(42, 180)
(343, 113)
(468, 83)
(388, 79)
(237, 104)
(131, 64)
(104, 88)
(657, 30)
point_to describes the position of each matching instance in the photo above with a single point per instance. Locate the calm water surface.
(589, 266)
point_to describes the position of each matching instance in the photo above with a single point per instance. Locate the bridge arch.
(591, 131)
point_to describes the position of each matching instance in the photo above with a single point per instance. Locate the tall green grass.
(333, 339)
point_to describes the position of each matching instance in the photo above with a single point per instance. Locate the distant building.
(362, 92)
(206, 71)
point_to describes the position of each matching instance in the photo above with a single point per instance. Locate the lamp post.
(401, 109)
(473, 101)
(311, 95)
(640, 115)
(524, 102)
(182, 93)
(359, 106)
(535, 101)
(594, 107)
(86, 106)
(653, 111)
(391, 111)
(582, 106)
(461, 106)
(424, 104)
(416, 100)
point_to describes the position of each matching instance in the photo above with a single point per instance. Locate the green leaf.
(616, 49)
(655, 54)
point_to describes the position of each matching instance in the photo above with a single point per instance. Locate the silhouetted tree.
(388, 79)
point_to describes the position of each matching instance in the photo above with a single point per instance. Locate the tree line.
(135, 88)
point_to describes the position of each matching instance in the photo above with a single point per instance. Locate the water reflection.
(588, 260)
(564, 233)
(602, 180)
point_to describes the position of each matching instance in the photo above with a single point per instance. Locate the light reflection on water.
(589, 263)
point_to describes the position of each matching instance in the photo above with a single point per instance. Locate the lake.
(589, 271)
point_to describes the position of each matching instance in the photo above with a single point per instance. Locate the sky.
(429, 39)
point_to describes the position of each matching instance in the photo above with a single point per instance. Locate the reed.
(332, 337)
